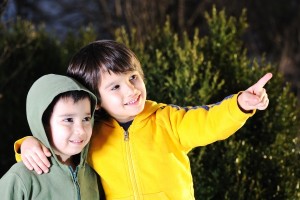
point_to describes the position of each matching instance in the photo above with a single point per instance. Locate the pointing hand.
(255, 97)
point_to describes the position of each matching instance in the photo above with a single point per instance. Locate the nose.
(130, 89)
(79, 128)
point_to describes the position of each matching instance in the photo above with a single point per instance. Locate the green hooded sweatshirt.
(62, 182)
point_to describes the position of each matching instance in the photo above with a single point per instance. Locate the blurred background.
(193, 52)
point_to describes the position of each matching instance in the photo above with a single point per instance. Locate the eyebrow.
(109, 85)
(114, 82)
(72, 114)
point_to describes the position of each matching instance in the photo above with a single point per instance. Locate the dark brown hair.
(101, 56)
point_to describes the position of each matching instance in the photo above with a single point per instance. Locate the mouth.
(76, 141)
(133, 101)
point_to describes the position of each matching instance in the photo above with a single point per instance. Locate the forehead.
(65, 103)
(109, 76)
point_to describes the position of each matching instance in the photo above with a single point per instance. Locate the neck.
(67, 161)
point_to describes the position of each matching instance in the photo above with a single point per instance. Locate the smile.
(133, 101)
(76, 141)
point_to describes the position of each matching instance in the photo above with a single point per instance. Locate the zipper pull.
(126, 135)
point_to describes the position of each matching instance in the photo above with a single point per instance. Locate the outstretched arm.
(255, 97)
(34, 155)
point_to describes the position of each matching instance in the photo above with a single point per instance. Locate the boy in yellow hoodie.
(139, 147)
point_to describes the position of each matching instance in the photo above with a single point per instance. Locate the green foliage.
(73, 42)
(261, 160)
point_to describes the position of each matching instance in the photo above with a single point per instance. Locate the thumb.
(247, 100)
(46, 151)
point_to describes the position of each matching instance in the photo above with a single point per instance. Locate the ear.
(98, 106)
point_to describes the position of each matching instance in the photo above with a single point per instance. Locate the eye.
(68, 120)
(87, 119)
(115, 87)
(133, 77)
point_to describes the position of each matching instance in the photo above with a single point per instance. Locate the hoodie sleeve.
(202, 125)
(17, 149)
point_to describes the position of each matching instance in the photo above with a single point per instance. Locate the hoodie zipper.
(75, 180)
(132, 174)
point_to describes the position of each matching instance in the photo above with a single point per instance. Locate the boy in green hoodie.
(61, 118)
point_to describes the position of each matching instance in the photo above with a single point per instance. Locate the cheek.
(89, 130)
(56, 139)
(59, 132)
(142, 87)
(140, 84)
(110, 100)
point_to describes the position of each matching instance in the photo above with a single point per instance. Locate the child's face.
(123, 96)
(70, 127)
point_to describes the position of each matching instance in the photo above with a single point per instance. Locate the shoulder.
(153, 106)
(18, 168)
(19, 171)
(16, 181)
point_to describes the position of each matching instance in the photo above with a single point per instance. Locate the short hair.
(100, 56)
(76, 95)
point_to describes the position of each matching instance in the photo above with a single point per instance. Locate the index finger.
(262, 82)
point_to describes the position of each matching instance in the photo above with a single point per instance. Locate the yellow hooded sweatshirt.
(149, 161)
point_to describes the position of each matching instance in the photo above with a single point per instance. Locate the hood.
(40, 96)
